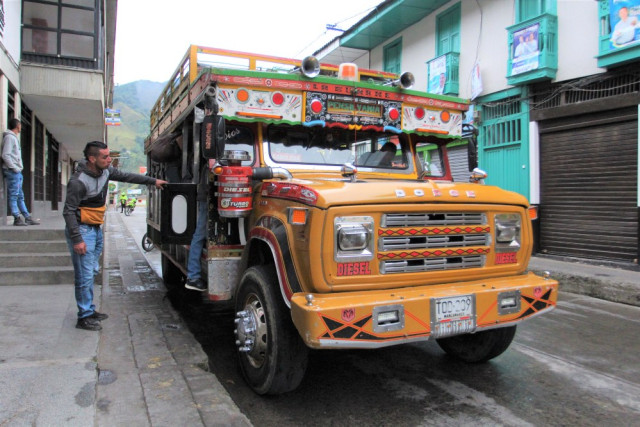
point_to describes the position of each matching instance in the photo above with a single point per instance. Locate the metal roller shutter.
(589, 186)
(459, 163)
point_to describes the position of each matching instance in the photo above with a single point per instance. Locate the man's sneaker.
(98, 316)
(19, 221)
(31, 221)
(88, 324)
(196, 285)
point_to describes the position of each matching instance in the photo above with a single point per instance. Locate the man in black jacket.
(84, 210)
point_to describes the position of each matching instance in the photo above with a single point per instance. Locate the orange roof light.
(348, 71)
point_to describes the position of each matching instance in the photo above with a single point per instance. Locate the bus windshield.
(299, 145)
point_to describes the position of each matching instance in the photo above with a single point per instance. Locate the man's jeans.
(15, 193)
(197, 243)
(85, 267)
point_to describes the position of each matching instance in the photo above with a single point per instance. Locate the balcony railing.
(443, 74)
(619, 38)
(533, 50)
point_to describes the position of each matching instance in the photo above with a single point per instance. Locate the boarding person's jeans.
(15, 193)
(86, 266)
(197, 243)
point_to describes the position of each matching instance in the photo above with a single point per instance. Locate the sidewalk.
(598, 280)
(143, 368)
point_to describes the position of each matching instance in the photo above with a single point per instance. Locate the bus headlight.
(507, 231)
(353, 238)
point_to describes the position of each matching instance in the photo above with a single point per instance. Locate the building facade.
(555, 92)
(56, 76)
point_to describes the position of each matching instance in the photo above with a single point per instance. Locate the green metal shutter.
(459, 163)
(504, 145)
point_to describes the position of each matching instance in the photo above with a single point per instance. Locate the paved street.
(575, 366)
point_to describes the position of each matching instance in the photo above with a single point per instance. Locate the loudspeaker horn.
(310, 67)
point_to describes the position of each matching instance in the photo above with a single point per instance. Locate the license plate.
(453, 315)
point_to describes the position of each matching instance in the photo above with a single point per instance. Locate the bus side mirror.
(213, 137)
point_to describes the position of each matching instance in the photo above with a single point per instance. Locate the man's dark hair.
(92, 148)
(13, 123)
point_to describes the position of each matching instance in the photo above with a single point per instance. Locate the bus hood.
(325, 193)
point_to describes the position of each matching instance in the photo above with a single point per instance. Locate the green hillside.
(134, 100)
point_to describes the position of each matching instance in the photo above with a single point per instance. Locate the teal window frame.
(448, 25)
(392, 56)
(543, 63)
(529, 9)
(454, 15)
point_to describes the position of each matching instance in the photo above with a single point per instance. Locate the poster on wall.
(111, 117)
(476, 81)
(525, 49)
(624, 19)
(437, 75)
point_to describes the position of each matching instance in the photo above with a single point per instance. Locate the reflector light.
(533, 212)
(217, 169)
(394, 114)
(445, 116)
(419, 113)
(316, 106)
(277, 98)
(348, 71)
(242, 95)
(298, 216)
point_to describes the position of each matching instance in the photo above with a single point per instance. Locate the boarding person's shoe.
(31, 221)
(88, 324)
(19, 221)
(196, 285)
(98, 316)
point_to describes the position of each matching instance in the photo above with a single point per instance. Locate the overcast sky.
(152, 38)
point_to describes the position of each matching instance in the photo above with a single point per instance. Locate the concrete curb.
(598, 281)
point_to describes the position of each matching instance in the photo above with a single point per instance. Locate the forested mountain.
(134, 100)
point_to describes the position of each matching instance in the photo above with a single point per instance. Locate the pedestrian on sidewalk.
(83, 213)
(12, 170)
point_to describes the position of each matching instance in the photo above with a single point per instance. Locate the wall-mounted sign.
(476, 81)
(526, 49)
(437, 74)
(625, 22)
(111, 117)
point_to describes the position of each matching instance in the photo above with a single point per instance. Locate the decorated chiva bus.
(333, 220)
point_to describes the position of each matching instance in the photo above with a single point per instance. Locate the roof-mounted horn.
(310, 67)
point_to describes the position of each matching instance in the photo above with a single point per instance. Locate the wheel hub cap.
(251, 331)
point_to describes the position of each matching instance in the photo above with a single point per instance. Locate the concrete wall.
(578, 30)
